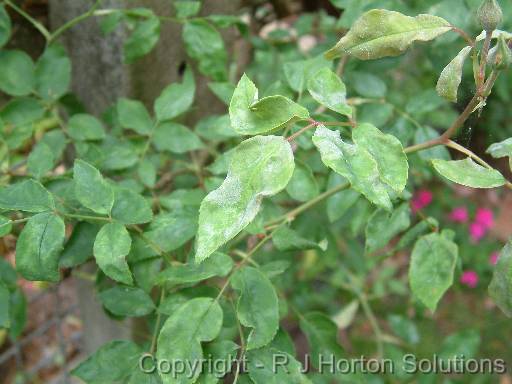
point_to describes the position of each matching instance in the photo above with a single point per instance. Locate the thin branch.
(36, 24)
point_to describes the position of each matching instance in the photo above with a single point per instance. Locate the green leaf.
(218, 264)
(130, 207)
(286, 239)
(340, 203)
(127, 301)
(28, 196)
(322, 335)
(501, 149)
(204, 43)
(176, 98)
(18, 313)
(53, 73)
(5, 26)
(250, 116)
(91, 189)
(432, 266)
(353, 162)
(467, 172)
(186, 9)
(118, 154)
(404, 328)
(463, 343)
(134, 115)
(5, 303)
(387, 151)
(147, 173)
(16, 73)
(500, 288)
(199, 320)
(257, 306)
(383, 226)
(230, 208)
(40, 161)
(223, 90)
(224, 351)
(380, 33)
(451, 77)
(38, 247)
(113, 362)
(328, 89)
(175, 138)
(170, 231)
(78, 249)
(420, 229)
(368, 85)
(111, 247)
(215, 128)
(85, 127)
(270, 366)
(298, 73)
(143, 39)
(303, 185)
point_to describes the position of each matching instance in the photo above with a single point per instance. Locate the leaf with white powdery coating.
(432, 267)
(38, 247)
(257, 306)
(328, 89)
(250, 116)
(353, 162)
(451, 77)
(112, 245)
(260, 167)
(500, 288)
(379, 33)
(91, 189)
(199, 320)
(467, 172)
(387, 150)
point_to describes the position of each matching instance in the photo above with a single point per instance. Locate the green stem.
(36, 24)
(373, 322)
(71, 23)
(25, 219)
(157, 323)
(85, 217)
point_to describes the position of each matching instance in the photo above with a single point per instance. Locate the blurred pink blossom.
(485, 217)
(421, 199)
(469, 278)
(493, 259)
(459, 215)
(477, 231)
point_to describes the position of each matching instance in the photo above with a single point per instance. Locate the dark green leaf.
(5, 26)
(53, 73)
(134, 115)
(130, 207)
(175, 138)
(28, 195)
(78, 249)
(176, 98)
(143, 39)
(286, 239)
(38, 247)
(127, 301)
(266, 367)
(5, 304)
(303, 185)
(91, 189)
(383, 226)
(170, 231)
(85, 127)
(16, 73)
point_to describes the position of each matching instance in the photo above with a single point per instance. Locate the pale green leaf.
(451, 77)
(404, 328)
(176, 99)
(16, 73)
(467, 172)
(257, 306)
(380, 33)
(328, 89)
(85, 127)
(134, 115)
(500, 288)
(112, 363)
(230, 208)
(354, 163)
(286, 239)
(127, 301)
(186, 9)
(40, 160)
(250, 116)
(501, 149)
(432, 267)
(175, 138)
(112, 245)
(383, 226)
(299, 73)
(387, 151)
(38, 247)
(91, 189)
(28, 196)
(199, 320)
(143, 39)
(147, 173)
(217, 264)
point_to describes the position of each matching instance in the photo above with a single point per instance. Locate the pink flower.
(477, 232)
(421, 199)
(459, 215)
(485, 217)
(469, 278)
(493, 259)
